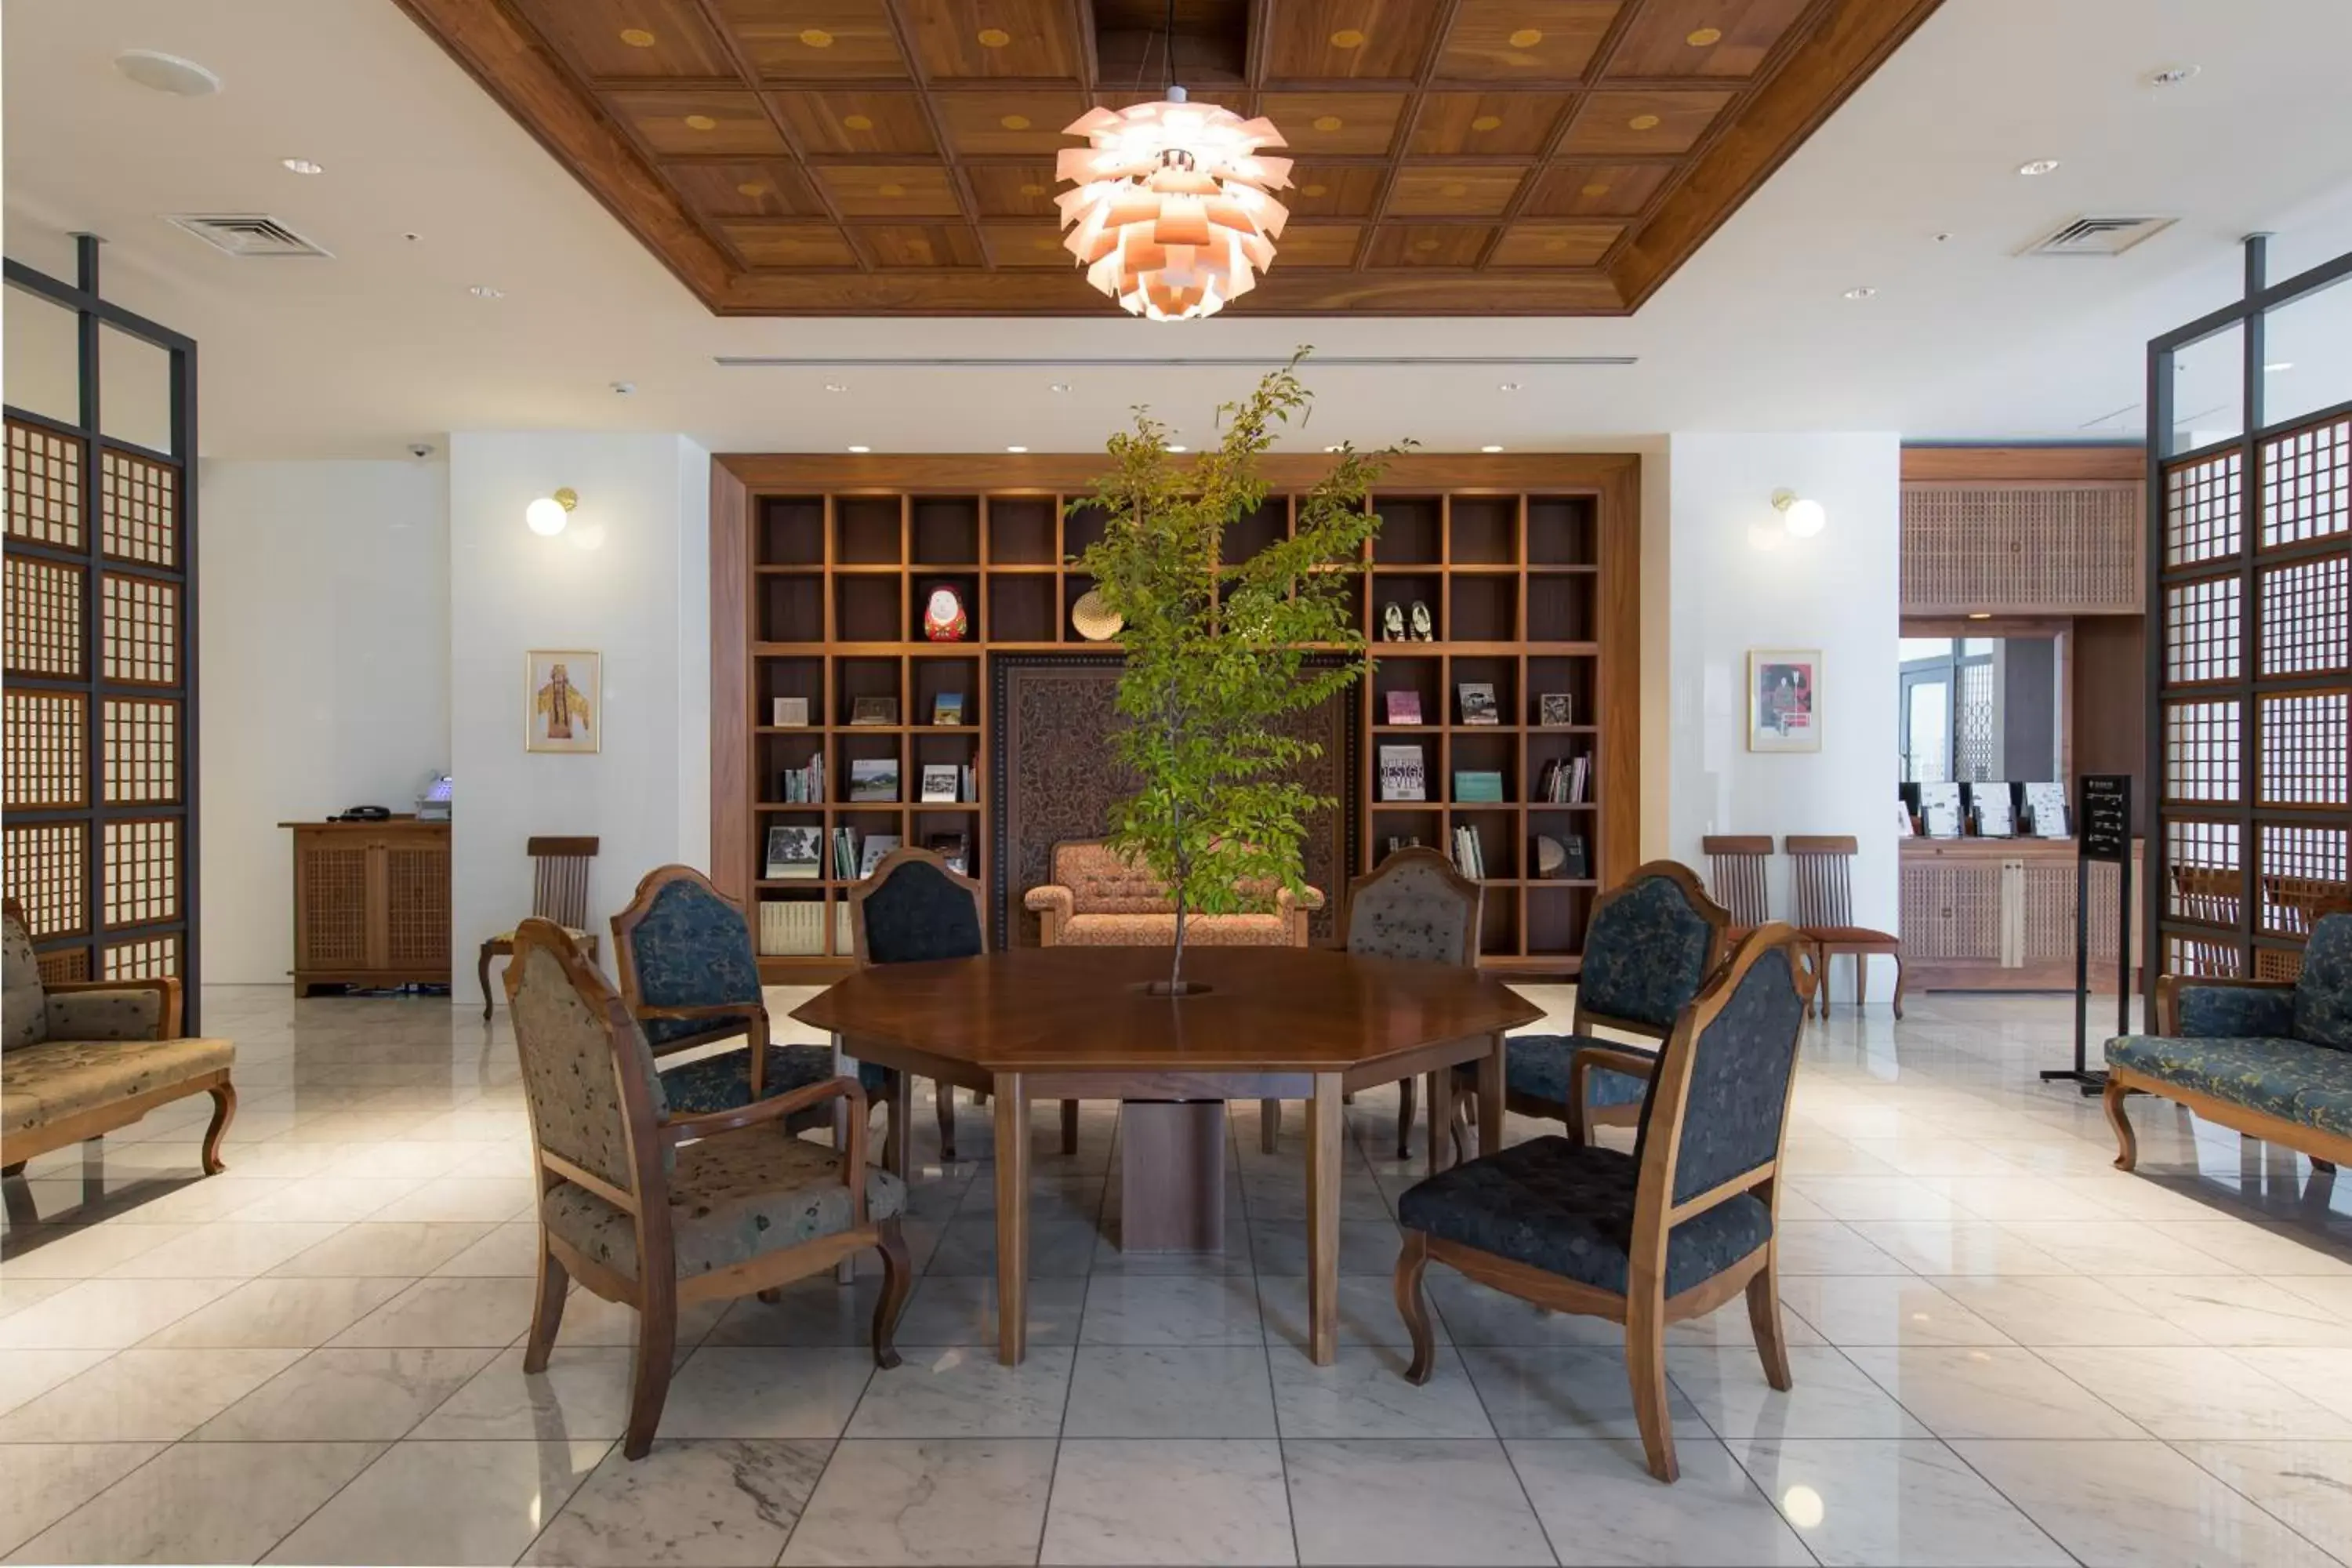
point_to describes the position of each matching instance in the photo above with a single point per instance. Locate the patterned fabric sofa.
(80, 1058)
(2270, 1059)
(1100, 899)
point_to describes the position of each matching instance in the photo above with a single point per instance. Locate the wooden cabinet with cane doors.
(371, 903)
(1997, 914)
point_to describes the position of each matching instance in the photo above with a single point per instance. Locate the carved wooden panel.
(2021, 548)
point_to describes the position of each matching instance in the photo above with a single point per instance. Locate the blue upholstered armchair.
(2271, 1058)
(1653, 942)
(1673, 1230)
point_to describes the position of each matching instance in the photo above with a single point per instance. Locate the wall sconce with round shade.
(1802, 518)
(549, 513)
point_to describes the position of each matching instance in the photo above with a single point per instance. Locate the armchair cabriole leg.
(483, 970)
(898, 1283)
(1764, 1319)
(224, 1113)
(2127, 1141)
(1413, 1261)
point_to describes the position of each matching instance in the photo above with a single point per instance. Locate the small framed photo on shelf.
(1478, 704)
(790, 714)
(939, 782)
(1402, 707)
(1556, 710)
(1784, 697)
(792, 852)
(562, 701)
(873, 779)
(877, 847)
(874, 711)
(947, 708)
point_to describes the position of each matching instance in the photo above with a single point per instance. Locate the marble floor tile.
(976, 1501)
(2307, 1485)
(1058, 1249)
(1976, 1249)
(1833, 1247)
(1364, 1394)
(347, 1395)
(1854, 1198)
(16, 1292)
(965, 1390)
(507, 1250)
(143, 1395)
(342, 1198)
(1171, 1391)
(1599, 1505)
(446, 1310)
(590, 1320)
(960, 1310)
(2062, 1310)
(203, 1502)
(692, 1503)
(1883, 1310)
(2323, 1375)
(225, 1248)
(84, 1252)
(2137, 1505)
(1368, 1311)
(809, 1313)
(47, 1481)
(2111, 1249)
(1830, 1396)
(406, 1250)
(2020, 1199)
(1176, 1310)
(1991, 1392)
(1895, 1504)
(1169, 1503)
(1366, 1246)
(297, 1313)
(583, 1394)
(2192, 1393)
(107, 1314)
(2257, 1249)
(742, 1390)
(26, 1374)
(1413, 1502)
(427, 1502)
(2238, 1310)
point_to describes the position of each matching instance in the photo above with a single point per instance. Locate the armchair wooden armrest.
(167, 1010)
(1581, 1063)
(708, 1010)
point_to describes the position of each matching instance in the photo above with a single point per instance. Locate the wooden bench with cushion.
(80, 1058)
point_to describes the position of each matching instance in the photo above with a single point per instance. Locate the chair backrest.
(913, 909)
(588, 1076)
(1652, 943)
(683, 943)
(1735, 864)
(1820, 879)
(1414, 904)
(2323, 991)
(1718, 1103)
(1102, 882)
(558, 880)
(25, 997)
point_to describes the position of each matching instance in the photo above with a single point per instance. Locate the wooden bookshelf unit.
(821, 567)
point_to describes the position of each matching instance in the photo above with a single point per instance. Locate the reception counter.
(1997, 914)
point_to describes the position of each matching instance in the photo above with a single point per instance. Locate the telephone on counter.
(365, 814)
(433, 800)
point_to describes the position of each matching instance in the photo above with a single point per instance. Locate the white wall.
(322, 672)
(630, 579)
(1837, 592)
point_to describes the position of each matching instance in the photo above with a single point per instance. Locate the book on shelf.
(803, 785)
(942, 782)
(1469, 854)
(876, 849)
(2046, 810)
(1411, 841)
(874, 711)
(793, 851)
(1564, 781)
(1477, 788)
(970, 779)
(792, 928)
(1563, 857)
(1996, 810)
(1556, 710)
(790, 714)
(1402, 776)
(1403, 707)
(873, 779)
(955, 849)
(947, 708)
(1478, 706)
(1939, 810)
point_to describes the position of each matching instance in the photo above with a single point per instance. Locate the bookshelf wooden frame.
(820, 566)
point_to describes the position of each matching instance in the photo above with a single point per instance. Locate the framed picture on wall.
(564, 701)
(1784, 699)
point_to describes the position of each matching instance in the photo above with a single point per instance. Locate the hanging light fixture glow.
(1170, 213)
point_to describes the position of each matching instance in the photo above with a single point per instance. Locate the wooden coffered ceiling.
(894, 157)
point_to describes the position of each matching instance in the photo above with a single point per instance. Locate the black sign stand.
(2101, 832)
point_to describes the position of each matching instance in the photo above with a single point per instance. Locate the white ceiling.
(385, 345)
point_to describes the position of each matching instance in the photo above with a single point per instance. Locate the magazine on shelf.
(2045, 809)
(1556, 710)
(1478, 704)
(877, 848)
(1401, 777)
(1477, 788)
(874, 711)
(1403, 707)
(792, 852)
(941, 781)
(874, 778)
(947, 707)
(1939, 810)
(792, 713)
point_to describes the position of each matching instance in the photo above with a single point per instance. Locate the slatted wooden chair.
(559, 892)
(1820, 879)
(1735, 865)
(1686, 1223)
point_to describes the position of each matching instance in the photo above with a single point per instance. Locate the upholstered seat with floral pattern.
(1536, 1066)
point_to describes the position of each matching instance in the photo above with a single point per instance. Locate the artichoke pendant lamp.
(1168, 212)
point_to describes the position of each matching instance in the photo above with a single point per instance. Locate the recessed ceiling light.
(2172, 76)
(623, 388)
(1176, 446)
(303, 166)
(2279, 364)
(1059, 387)
(1979, 614)
(160, 72)
(1862, 292)
(1490, 448)
(484, 291)
(2038, 166)
(1017, 449)
(1335, 449)
(1945, 237)
(837, 386)
(861, 448)
(1507, 386)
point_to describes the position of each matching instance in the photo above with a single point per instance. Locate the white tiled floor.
(2005, 1351)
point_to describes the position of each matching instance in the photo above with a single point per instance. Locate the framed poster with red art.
(1784, 699)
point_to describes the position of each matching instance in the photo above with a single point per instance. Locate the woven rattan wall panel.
(417, 889)
(65, 963)
(148, 958)
(2022, 549)
(46, 765)
(46, 868)
(143, 751)
(44, 486)
(43, 634)
(138, 518)
(331, 887)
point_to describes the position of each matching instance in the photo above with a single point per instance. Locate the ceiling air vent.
(2097, 236)
(246, 233)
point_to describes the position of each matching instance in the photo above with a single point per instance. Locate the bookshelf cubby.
(822, 567)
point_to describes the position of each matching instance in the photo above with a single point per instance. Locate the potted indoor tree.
(1218, 653)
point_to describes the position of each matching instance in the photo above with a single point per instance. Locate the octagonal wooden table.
(1275, 1024)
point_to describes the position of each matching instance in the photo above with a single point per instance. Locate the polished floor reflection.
(2006, 1352)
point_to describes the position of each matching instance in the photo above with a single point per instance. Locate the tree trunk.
(1176, 972)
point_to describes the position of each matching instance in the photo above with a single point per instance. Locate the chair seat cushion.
(1568, 1209)
(505, 939)
(48, 1083)
(731, 1198)
(1536, 1065)
(1850, 935)
(2293, 1080)
(1160, 931)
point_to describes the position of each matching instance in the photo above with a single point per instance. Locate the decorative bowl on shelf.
(1093, 618)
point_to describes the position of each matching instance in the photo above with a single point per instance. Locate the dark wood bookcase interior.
(1525, 566)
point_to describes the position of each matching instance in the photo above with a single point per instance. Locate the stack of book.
(805, 784)
(1469, 857)
(855, 854)
(1565, 782)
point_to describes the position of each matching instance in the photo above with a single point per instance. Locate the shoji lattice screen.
(99, 736)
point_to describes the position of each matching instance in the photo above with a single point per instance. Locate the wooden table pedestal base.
(1171, 1175)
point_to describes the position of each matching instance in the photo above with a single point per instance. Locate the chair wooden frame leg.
(546, 1308)
(1404, 1118)
(223, 1095)
(1412, 1262)
(1646, 1366)
(2127, 1140)
(1069, 1127)
(1764, 1320)
(483, 969)
(1269, 1126)
(943, 1100)
(897, 1283)
(649, 1366)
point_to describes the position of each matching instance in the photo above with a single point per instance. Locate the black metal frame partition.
(102, 694)
(2249, 661)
